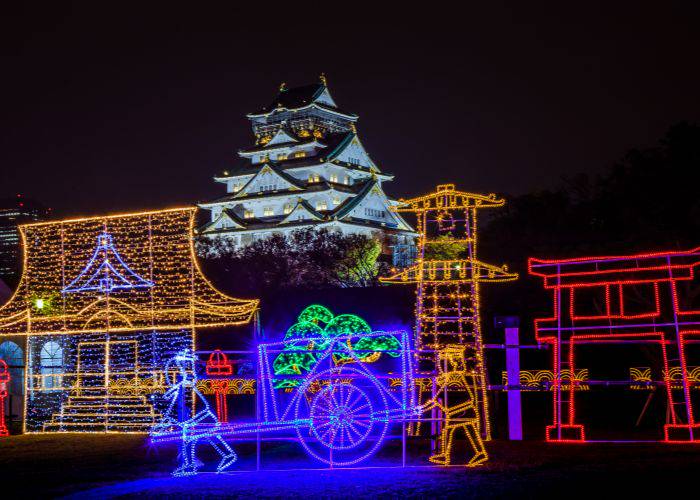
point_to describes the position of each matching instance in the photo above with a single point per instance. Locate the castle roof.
(302, 97)
(314, 187)
(333, 145)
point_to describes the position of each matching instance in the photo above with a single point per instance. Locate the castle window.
(267, 187)
(51, 358)
(373, 212)
(288, 208)
(334, 177)
(321, 205)
(282, 156)
(268, 211)
(264, 158)
(248, 214)
(354, 161)
(299, 154)
(346, 180)
(314, 178)
(237, 187)
(336, 200)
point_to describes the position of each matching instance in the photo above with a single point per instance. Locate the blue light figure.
(202, 425)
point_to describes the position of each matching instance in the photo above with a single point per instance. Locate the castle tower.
(307, 168)
(448, 273)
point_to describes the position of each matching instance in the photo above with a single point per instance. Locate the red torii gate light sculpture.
(670, 323)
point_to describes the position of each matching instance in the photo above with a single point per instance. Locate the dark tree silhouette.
(306, 259)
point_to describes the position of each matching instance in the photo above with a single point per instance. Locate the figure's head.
(185, 361)
(451, 358)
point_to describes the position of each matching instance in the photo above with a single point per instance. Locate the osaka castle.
(307, 168)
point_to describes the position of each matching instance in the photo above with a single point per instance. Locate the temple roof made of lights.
(116, 273)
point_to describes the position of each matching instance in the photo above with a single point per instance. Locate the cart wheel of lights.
(348, 418)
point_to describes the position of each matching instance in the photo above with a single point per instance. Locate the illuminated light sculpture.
(104, 302)
(105, 272)
(317, 321)
(640, 378)
(339, 412)
(4, 383)
(218, 365)
(178, 418)
(447, 297)
(454, 376)
(613, 280)
(544, 379)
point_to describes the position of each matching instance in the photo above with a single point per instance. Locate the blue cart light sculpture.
(340, 410)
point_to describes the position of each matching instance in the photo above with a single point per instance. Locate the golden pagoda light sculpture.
(448, 274)
(104, 302)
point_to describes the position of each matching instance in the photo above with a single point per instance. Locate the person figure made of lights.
(202, 426)
(453, 376)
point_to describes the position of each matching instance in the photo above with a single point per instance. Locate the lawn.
(109, 466)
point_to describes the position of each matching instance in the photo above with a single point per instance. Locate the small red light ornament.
(219, 364)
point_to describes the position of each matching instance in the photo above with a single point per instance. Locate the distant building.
(15, 211)
(307, 168)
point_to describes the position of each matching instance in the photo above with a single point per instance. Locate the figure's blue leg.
(228, 456)
(188, 465)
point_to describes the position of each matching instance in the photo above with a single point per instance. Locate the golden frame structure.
(447, 295)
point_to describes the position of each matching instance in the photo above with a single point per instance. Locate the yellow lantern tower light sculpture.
(103, 304)
(448, 274)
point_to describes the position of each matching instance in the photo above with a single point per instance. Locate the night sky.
(113, 110)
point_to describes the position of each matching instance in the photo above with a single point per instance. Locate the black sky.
(112, 110)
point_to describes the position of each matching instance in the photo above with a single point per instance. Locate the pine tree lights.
(448, 273)
(104, 302)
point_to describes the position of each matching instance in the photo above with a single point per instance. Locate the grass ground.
(119, 466)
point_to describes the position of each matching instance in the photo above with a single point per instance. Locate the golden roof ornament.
(322, 79)
(283, 86)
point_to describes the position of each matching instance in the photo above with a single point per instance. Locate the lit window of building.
(248, 214)
(346, 180)
(282, 156)
(314, 178)
(268, 211)
(321, 205)
(373, 212)
(336, 200)
(334, 177)
(267, 187)
(299, 154)
(288, 208)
